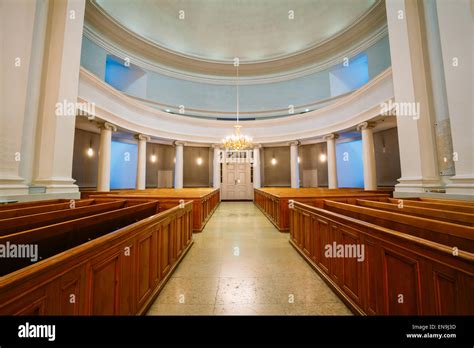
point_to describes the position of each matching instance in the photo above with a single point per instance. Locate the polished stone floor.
(242, 265)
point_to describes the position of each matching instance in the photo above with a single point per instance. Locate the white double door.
(236, 181)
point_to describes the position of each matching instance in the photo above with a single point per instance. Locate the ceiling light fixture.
(237, 141)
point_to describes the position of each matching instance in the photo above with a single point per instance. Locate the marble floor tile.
(240, 264)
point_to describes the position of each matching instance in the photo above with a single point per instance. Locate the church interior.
(236, 158)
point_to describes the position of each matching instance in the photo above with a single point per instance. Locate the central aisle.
(241, 264)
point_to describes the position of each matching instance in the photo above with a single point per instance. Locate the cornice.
(107, 33)
(115, 107)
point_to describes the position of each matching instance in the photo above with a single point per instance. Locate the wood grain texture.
(401, 274)
(119, 271)
(273, 201)
(205, 200)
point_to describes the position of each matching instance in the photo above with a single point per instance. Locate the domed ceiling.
(200, 38)
(219, 30)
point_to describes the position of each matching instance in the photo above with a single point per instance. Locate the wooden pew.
(205, 200)
(444, 205)
(18, 205)
(43, 207)
(400, 273)
(442, 232)
(273, 202)
(447, 201)
(26, 222)
(435, 214)
(112, 263)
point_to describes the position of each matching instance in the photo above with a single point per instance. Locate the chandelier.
(237, 141)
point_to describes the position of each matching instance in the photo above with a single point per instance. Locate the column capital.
(108, 126)
(142, 137)
(332, 136)
(257, 146)
(365, 125)
(216, 146)
(294, 143)
(179, 143)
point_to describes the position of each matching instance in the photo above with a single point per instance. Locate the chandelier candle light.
(237, 141)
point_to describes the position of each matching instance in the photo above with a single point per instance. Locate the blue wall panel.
(123, 165)
(350, 170)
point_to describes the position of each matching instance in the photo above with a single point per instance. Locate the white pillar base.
(12, 187)
(56, 186)
(461, 185)
(417, 185)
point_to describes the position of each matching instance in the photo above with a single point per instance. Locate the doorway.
(237, 181)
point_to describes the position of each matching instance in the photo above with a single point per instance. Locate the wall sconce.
(90, 151)
(274, 161)
(322, 157)
(153, 158)
(199, 159)
(384, 149)
(299, 160)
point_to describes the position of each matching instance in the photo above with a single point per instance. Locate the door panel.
(236, 183)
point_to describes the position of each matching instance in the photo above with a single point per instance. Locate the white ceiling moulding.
(127, 113)
(366, 17)
(154, 66)
(103, 30)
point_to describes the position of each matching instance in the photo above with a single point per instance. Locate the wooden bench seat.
(446, 201)
(450, 234)
(26, 222)
(55, 238)
(435, 214)
(205, 200)
(273, 202)
(18, 205)
(112, 263)
(444, 205)
(400, 272)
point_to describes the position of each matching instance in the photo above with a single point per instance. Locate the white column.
(56, 126)
(141, 162)
(331, 159)
(368, 155)
(105, 150)
(257, 179)
(295, 176)
(456, 30)
(17, 19)
(178, 166)
(216, 168)
(411, 83)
